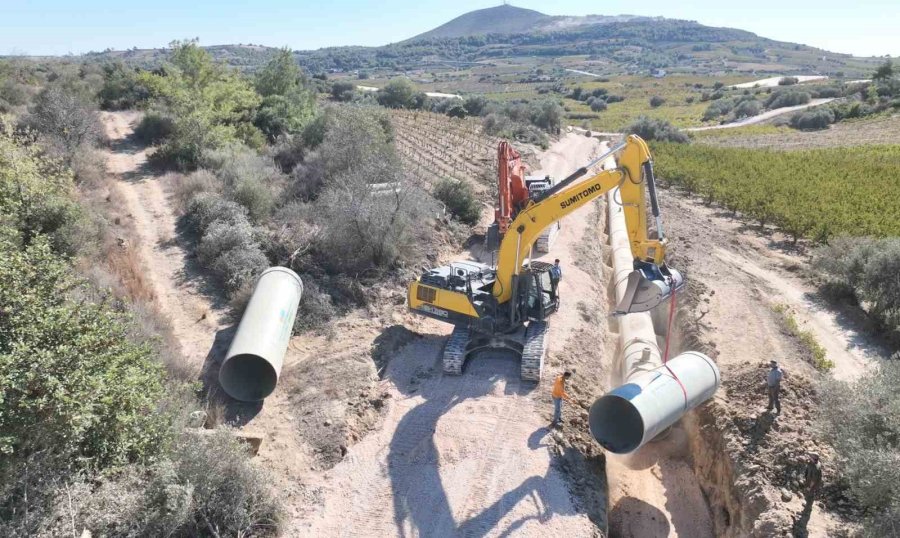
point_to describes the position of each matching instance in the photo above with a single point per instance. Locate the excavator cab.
(539, 299)
(649, 285)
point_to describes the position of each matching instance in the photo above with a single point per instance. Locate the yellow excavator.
(507, 306)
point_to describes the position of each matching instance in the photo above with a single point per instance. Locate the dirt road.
(458, 456)
(759, 118)
(194, 317)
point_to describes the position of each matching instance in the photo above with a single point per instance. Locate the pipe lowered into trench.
(252, 365)
(633, 414)
(653, 395)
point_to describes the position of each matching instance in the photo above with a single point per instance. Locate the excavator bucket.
(649, 285)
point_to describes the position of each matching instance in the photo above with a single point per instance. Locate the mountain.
(503, 19)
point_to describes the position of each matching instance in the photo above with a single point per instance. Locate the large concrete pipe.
(253, 363)
(633, 414)
(646, 404)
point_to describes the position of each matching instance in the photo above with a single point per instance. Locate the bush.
(459, 198)
(239, 267)
(188, 186)
(65, 120)
(788, 81)
(36, 196)
(207, 207)
(859, 265)
(475, 105)
(342, 91)
(95, 396)
(787, 98)
(716, 109)
(656, 101)
(862, 422)
(747, 108)
(252, 180)
(222, 236)
(614, 99)
(819, 118)
(398, 93)
(656, 129)
(598, 105)
(154, 128)
(121, 89)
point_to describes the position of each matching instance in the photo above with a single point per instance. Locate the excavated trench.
(682, 483)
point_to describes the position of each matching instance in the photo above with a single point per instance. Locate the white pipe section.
(633, 414)
(253, 363)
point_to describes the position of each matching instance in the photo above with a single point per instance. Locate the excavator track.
(545, 242)
(534, 350)
(454, 357)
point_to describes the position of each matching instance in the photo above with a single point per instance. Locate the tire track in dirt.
(193, 316)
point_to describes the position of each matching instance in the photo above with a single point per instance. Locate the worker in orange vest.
(559, 394)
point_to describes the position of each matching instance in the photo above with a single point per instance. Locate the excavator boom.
(652, 282)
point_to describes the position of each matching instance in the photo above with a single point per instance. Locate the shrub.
(222, 236)
(656, 129)
(121, 88)
(342, 91)
(69, 367)
(475, 105)
(598, 105)
(207, 207)
(819, 118)
(859, 265)
(716, 109)
(188, 186)
(861, 420)
(788, 81)
(316, 307)
(154, 128)
(718, 85)
(456, 111)
(66, 120)
(36, 196)
(614, 99)
(656, 101)
(459, 198)
(398, 93)
(239, 267)
(251, 179)
(787, 98)
(747, 108)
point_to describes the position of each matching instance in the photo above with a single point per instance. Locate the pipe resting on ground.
(252, 366)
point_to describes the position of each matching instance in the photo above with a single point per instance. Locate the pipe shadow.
(421, 502)
(224, 408)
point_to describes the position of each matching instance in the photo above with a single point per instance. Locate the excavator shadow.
(223, 409)
(441, 484)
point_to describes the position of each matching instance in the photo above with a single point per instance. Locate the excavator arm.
(634, 177)
(511, 188)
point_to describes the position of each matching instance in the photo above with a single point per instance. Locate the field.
(444, 147)
(816, 193)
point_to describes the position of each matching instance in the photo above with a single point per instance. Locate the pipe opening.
(616, 424)
(248, 377)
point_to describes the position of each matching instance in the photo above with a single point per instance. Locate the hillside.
(619, 44)
(609, 45)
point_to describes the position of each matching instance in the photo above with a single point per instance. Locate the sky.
(54, 27)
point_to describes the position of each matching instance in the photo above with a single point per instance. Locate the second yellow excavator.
(507, 306)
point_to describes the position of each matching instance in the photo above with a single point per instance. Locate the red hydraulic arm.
(512, 190)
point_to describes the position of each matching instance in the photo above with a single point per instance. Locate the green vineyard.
(817, 193)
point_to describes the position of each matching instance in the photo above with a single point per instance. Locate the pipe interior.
(247, 377)
(616, 424)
